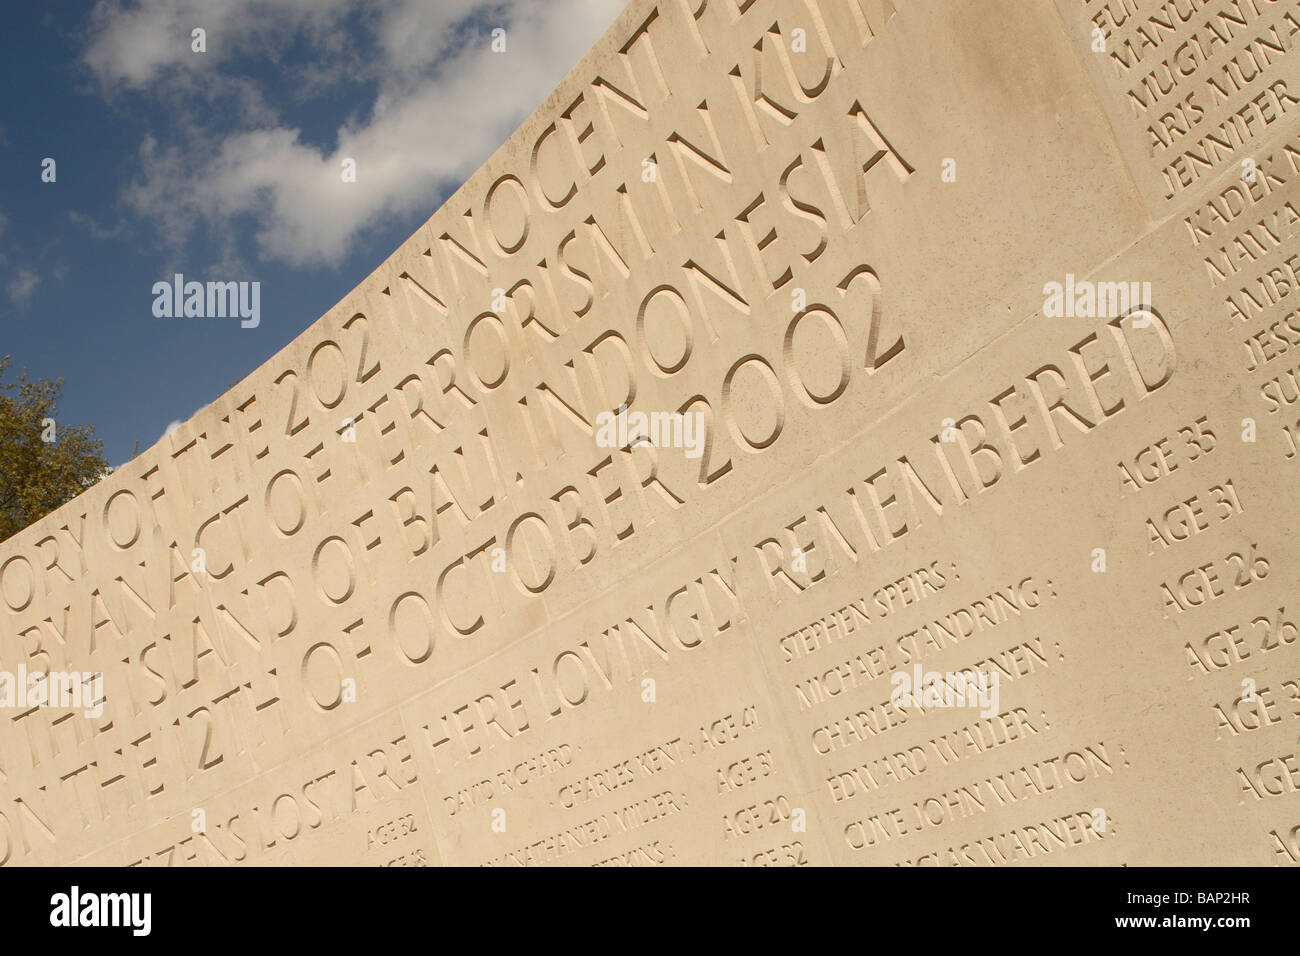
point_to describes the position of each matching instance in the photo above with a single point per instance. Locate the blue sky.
(225, 165)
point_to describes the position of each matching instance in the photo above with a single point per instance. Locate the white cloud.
(91, 228)
(415, 33)
(133, 46)
(180, 422)
(22, 285)
(445, 102)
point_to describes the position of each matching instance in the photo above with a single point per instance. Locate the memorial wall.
(827, 432)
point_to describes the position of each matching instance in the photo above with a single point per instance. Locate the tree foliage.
(43, 462)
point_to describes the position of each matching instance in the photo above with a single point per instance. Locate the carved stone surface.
(965, 339)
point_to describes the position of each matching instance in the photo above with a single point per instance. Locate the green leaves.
(43, 462)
